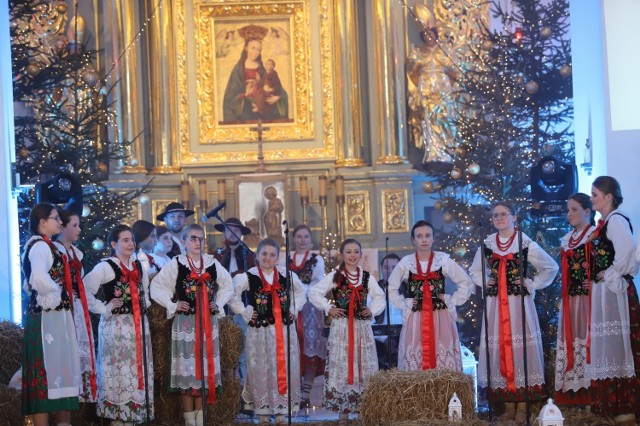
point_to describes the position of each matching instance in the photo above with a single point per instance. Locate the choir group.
(598, 343)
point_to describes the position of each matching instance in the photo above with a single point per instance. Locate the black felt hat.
(174, 207)
(232, 221)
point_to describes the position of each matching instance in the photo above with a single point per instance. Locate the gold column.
(162, 92)
(122, 26)
(349, 118)
(389, 29)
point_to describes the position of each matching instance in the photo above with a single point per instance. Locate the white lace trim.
(577, 378)
(610, 328)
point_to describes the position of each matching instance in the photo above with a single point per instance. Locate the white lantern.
(550, 415)
(470, 367)
(455, 409)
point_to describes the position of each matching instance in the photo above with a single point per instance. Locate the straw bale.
(160, 328)
(227, 403)
(231, 345)
(10, 350)
(394, 396)
(10, 406)
(167, 408)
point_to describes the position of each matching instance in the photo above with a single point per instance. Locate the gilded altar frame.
(205, 139)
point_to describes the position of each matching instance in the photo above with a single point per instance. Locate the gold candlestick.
(340, 198)
(304, 197)
(184, 193)
(222, 188)
(322, 198)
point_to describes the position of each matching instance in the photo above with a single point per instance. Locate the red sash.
(277, 315)
(132, 277)
(507, 368)
(76, 265)
(354, 300)
(203, 312)
(428, 337)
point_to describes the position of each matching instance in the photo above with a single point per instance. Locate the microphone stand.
(486, 319)
(386, 295)
(289, 290)
(524, 323)
(145, 372)
(204, 310)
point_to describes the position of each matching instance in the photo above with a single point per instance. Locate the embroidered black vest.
(245, 260)
(577, 262)
(415, 290)
(513, 273)
(119, 288)
(262, 302)
(306, 272)
(603, 251)
(186, 287)
(56, 272)
(342, 293)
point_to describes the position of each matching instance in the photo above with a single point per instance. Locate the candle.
(202, 187)
(322, 185)
(221, 190)
(304, 187)
(339, 186)
(184, 191)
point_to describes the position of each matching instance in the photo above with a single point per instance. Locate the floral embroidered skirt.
(119, 396)
(261, 387)
(35, 388)
(183, 355)
(339, 395)
(446, 339)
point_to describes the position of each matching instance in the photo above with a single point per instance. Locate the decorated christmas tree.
(513, 108)
(63, 118)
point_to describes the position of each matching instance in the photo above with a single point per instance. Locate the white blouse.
(41, 258)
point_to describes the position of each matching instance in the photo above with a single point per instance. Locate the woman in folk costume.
(572, 378)
(615, 312)
(185, 287)
(310, 269)
(431, 340)
(504, 313)
(50, 363)
(267, 319)
(352, 356)
(121, 370)
(82, 301)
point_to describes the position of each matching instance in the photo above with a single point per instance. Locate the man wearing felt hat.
(175, 216)
(232, 255)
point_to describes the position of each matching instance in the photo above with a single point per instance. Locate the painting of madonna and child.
(254, 71)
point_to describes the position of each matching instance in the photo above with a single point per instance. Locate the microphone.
(215, 211)
(286, 226)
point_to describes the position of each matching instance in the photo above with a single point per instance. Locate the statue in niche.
(272, 219)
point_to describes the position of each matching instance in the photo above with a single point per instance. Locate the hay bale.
(11, 335)
(167, 408)
(227, 404)
(10, 406)
(160, 328)
(231, 345)
(394, 396)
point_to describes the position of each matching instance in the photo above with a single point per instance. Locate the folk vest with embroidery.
(342, 293)
(306, 272)
(577, 262)
(186, 287)
(262, 302)
(415, 291)
(513, 273)
(56, 272)
(119, 288)
(603, 250)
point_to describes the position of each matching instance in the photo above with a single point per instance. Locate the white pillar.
(9, 240)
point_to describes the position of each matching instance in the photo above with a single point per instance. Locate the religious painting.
(262, 206)
(253, 70)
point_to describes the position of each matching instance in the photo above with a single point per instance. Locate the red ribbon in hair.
(354, 301)
(428, 337)
(507, 368)
(132, 277)
(277, 314)
(202, 311)
(76, 266)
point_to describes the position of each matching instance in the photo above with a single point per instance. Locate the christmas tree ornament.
(545, 32)
(531, 87)
(427, 187)
(474, 168)
(97, 244)
(102, 166)
(437, 205)
(486, 45)
(86, 211)
(547, 149)
(460, 251)
(461, 151)
(456, 173)
(144, 199)
(133, 161)
(90, 76)
(23, 152)
(447, 217)
(33, 69)
(565, 71)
